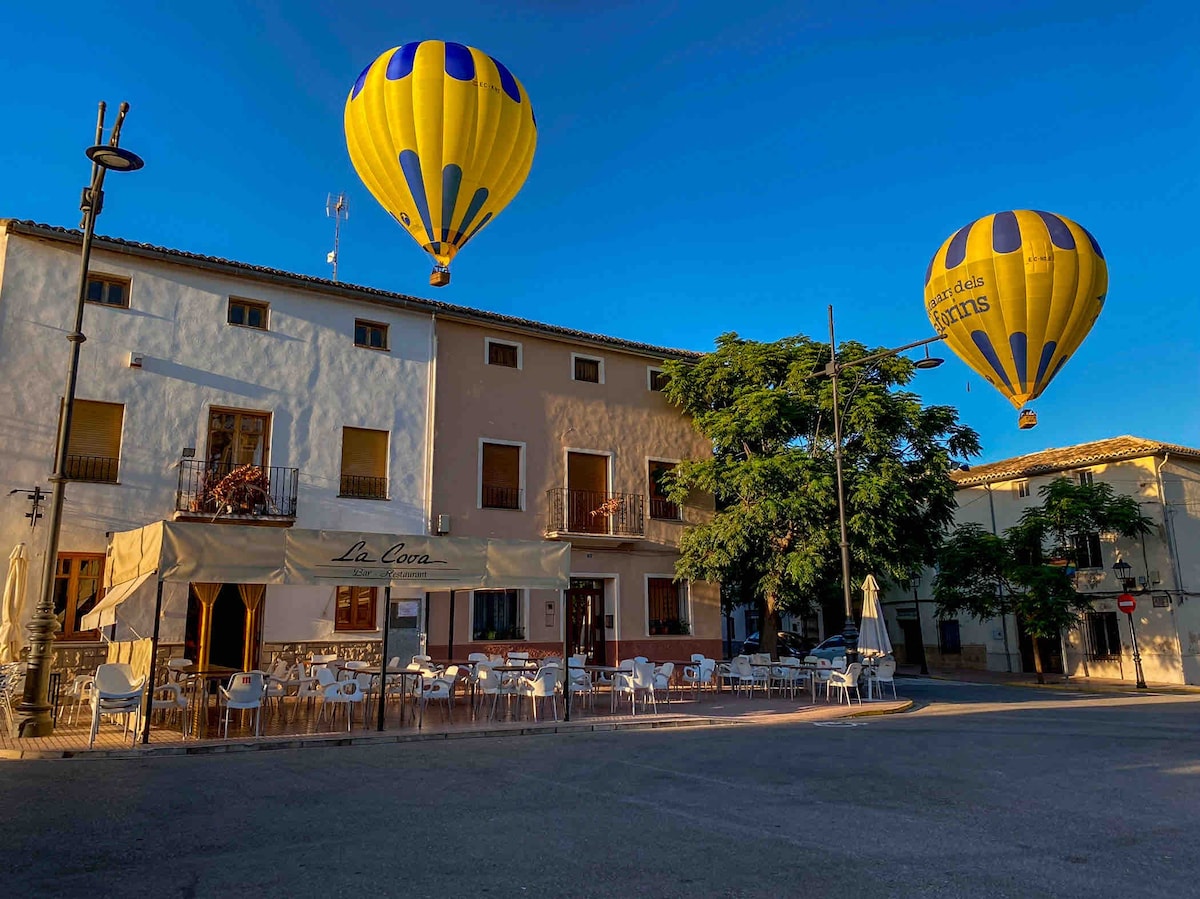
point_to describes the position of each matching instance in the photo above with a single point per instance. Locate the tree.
(1029, 571)
(775, 528)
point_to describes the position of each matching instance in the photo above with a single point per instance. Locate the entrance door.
(227, 633)
(587, 491)
(585, 619)
(1050, 650)
(914, 649)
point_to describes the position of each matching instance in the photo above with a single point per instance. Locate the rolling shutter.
(96, 429)
(501, 466)
(364, 453)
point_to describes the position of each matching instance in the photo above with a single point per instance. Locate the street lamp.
(33, 712)
(833, 370)
(1127, 604)
(1121, 569)
(915, 580)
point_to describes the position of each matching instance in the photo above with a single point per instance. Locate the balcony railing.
(91, 468)
(593, 512)
(501, 497)
(664, 509)
(362, 487)
(219, 489)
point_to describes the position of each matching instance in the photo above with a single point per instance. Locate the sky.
(701, 167)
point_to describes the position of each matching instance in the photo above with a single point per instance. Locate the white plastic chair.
(245, 692)
(845, 681)
(170, 701)
(115, 692)
(885, 673)
(543, 686)
(699, 675)
(621, 682)
(438, 689)
(80, 693)
(662, 678)
(335, 693)
(581, 681)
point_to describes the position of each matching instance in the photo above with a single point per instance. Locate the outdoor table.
(200, 678)
(405, 673)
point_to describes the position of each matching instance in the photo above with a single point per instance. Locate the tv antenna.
(336, 208)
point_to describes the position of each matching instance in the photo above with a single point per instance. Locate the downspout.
(430, 415)
(999, 586)
(1172, 548)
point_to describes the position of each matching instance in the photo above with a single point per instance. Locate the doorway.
(587, 491)
(227, 632)
(1050, 650)
(585, 619)
(914, 647)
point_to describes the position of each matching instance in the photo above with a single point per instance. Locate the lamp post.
(916, 582)
(1127, 603)
(33, 712)
(833, 370)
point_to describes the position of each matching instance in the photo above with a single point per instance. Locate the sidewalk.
(1053, 681)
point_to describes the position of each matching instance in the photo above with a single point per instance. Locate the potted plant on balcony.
(244, 490)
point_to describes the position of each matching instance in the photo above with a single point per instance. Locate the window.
(248, 313)
(364, 463)
(1087, 551)
(108, 291)
(355, 609)
(666, 602)
(236, 438)
(1022, 489)
(658, 379)
(372, 335)
(1086, 479)
(587, 368)
(496, 615)
(502, 353)
(949, 640)
(660, 506)
(94, 447)
(1102, 631)
(77, 580)
(500, 476)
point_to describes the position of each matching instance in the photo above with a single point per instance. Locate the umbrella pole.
(383, 660)
(149, 706)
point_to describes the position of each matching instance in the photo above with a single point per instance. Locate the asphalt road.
(982, 791)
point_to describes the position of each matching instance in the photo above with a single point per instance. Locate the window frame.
(69, 634)
(387, 456)
(942, 624)
(1086, 477)
(1110, 623)
(369, 324)
(650, 499)
(1022, 489)
(359, 597)
(684, 598)
(265, 308)
(108, 280)
(522, 454)
(599, 360)
(522, 608)
(487, 352)
(651, 371)
(1090, 541)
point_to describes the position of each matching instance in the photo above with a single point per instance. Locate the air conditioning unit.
(442, 525)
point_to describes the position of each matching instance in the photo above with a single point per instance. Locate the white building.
(1164, 568)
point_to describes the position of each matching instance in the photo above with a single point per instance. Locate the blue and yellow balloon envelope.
(443, 136)
(1015, 293)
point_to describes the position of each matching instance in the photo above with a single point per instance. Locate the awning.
(104, 613)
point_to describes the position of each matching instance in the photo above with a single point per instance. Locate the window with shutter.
(587, 368)
(661, 507)
(506, 355)
(364, 463)
(666, 606)
(94, 446)
(658, 379)
(500, 476)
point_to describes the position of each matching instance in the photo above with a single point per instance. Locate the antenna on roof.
(336, 208)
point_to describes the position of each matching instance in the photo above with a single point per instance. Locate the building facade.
(1164, 573)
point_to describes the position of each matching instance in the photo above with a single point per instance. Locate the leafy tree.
(775, 529)
(1028, 572)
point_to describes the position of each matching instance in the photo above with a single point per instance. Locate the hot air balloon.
(1015, 293)
(443, 136)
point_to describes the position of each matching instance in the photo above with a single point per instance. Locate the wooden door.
(587, 490)
(585, 619)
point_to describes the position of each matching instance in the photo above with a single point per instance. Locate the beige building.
(540, 433)
(1164, 572)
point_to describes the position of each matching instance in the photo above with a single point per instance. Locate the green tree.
(775, 529)
(1028, 572)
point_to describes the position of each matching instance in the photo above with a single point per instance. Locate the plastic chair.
(334, 693)
(81, 693)
(662, 678)
(172, 702)
(245, 691)
(699, 675)
(885, 673)
(543, 686)
(846, 681)
(115, 692)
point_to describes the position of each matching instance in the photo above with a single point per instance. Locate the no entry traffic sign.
(1126, 603)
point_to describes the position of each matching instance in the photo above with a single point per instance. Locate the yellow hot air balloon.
(1015, 293)
(443, 135)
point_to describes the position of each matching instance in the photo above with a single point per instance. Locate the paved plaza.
(980, 791)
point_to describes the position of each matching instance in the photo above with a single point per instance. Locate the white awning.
(104, 613)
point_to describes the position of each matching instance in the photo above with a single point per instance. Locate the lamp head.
(115, 159)
(928, 361)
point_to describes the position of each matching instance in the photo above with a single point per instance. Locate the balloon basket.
(1027, 419)
(439, 277)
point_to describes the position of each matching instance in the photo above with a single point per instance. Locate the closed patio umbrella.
(13, 605)
(873, 637)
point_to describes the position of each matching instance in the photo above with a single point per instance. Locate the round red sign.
(1126, 603)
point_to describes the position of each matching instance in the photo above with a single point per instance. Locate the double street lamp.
(833, 370)
(33, 712)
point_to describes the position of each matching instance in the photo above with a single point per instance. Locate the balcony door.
(587, 491)
(237, 438)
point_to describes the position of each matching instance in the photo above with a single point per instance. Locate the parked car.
(830, 648)
(789, 643)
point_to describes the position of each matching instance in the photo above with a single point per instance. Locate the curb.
(377, 739)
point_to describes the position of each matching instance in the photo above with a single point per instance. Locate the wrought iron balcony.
(101, 469)
(664, 510)
(593, 512)
(501, 497)
(362, 487)
(224, 490)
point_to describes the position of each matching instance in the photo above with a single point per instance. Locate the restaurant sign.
(352, 558)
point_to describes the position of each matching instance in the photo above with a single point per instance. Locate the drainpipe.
(1168, 527)
(999, 587)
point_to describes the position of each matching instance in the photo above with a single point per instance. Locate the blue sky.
(701, 167)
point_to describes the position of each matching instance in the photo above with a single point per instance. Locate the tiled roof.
(341, 289)
(1114, 449)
